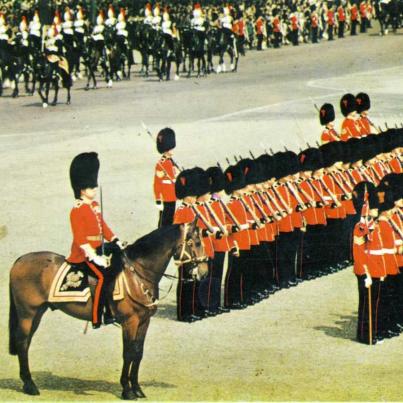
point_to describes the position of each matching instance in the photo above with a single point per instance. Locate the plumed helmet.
(166, 140)
(147, 10)
(234, 179)
(84, 172)
(362, 102)
(216, 179)
(347, 104)
(326, 114)
(111, 12)
(122, 15)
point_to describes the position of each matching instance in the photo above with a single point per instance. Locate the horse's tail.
(12, 325)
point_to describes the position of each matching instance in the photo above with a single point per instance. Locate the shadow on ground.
(48, 381)
(344, 328)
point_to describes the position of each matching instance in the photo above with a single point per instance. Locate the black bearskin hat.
(250, 170)
(165, 140)
(216, 179)
(362, 102)
(347, 104)
(184, 185)
(234, 179)
(326, 114)
(84, 172)
(201, 181)
(310, 159)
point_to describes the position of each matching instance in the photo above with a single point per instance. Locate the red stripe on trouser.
(377, 308)
(98, 289)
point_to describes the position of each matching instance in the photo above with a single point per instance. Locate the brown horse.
(144, 263)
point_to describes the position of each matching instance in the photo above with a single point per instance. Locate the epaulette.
(78, 203)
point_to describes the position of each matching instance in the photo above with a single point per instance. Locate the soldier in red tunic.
(363, 104)
(326, 117)
(349, 127)
(90, 230)
(341, 17)
(165, 177)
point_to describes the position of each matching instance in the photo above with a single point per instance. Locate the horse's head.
(190, 250)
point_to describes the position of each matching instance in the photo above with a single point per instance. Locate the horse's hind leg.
(56, 84)
(27, 325)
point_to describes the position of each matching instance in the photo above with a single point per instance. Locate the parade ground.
(298, 345)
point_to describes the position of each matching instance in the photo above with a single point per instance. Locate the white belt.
(168, 182)
(380, 252)
(80, 30)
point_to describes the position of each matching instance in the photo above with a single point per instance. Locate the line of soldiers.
(281, 218)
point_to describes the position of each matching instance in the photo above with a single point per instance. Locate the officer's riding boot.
(109, 319)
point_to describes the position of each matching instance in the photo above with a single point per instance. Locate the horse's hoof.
(110, 83)
(30, 389)
(54, 103)
(139, 393)
(176, 77)
(128, 395)
(68, 102)
(87, 87)
(44, 105)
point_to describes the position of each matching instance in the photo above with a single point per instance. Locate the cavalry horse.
(228, 44)
(143, 264)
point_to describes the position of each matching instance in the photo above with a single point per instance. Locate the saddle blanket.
(71, 285)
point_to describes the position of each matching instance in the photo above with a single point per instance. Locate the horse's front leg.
(56, 85)
(138, 347)
(129, 329)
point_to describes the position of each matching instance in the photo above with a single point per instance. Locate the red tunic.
(365, 127)
(396, 166)
(294, 22)
(359, 246)
(398, 236)
(329, 135)
(286, 223)
(337, 212)
(88, 227)
(314, 21)
(354, 13)
(223, 244)
(276, 24)
(340, 14)
(241, 238)
(330, 17)
(349, 129)
(164, 180)
(253, 233)
(207, 240)
(259, 26)
(381, 251)
(184, 214)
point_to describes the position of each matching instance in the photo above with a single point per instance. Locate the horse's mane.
(147, 244)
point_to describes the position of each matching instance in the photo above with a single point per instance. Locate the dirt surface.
(298, 344)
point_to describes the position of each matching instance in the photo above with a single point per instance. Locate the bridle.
(188, 256)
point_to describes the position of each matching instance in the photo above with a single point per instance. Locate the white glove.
(382, 278)
(159, 205)
(244, 226)
(102, 261)
(368, 281)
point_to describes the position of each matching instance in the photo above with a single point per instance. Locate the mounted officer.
(90, 231)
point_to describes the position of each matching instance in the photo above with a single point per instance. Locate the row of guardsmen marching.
(281, 218)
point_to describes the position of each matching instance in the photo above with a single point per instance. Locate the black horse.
(228, 44)
(197, 51)
(48, 70)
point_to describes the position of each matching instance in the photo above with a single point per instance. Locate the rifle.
(259, 208)
(216, 219)
(336, 203)
(340, 185)
(282, 212)
(301, 204)
(102, 222)
(249, 210)
(203, 219)
(319, 194)
(264, 201)
(230, 214)
(311, 202)
(395, 227)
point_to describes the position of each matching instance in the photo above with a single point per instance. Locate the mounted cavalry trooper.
(148, 16)
(4, 33)
(169, 34)
(23, 27)
(122, 34)
(198, 22)
(326, 117)
(90, 231)
(227, 36)
(57, 22)
(156, 21)
(111, 20)
(35, 33)
(79, 27)
(165, 177)
(67, 27)
(51, 45)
